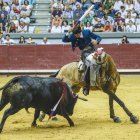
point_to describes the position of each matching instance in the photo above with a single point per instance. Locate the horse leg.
(133, 118)
(112, 114)
(36, 115)
(7, 113)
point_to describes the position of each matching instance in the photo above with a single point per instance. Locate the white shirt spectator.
(22, 28)
(130, 28)
(128, 19)
(128, 7)
(138, 28)
(10, 41)
(123, 14)
(56, 28)
(1, 40)
(26, 20)
(65, 29)
(89, 28)
(118, 4)
(137, 5)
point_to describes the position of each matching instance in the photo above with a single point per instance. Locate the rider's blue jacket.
(83, 41)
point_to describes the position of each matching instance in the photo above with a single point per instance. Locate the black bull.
(39, 93)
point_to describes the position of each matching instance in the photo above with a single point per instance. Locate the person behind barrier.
(85, 40)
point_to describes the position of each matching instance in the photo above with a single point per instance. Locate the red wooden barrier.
(55, 56)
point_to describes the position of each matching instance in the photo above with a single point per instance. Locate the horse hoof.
(134, 119)
(116, 119)
(33, 125)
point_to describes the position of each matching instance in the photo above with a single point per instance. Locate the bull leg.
(133, 118)
(71, 123)
(112, 114)
(36, 115)
(7, 113)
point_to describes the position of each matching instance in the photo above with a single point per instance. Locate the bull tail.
(55, 74)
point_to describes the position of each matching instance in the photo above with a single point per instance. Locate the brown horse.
(70, 74)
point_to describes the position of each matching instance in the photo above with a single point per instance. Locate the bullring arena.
(91, 118)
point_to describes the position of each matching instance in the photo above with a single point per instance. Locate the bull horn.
(83, 99)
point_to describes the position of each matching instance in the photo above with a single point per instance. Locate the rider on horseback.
(85, 40)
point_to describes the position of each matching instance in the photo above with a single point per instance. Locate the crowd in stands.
(106, 16)
(15, 15)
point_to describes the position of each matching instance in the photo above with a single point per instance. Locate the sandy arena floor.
(91, 118)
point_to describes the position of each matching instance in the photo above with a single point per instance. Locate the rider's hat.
(77, 30)
(100, 49)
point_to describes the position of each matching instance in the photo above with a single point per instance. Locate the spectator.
(137, 22)
(45, 41)
(77, 13)
(1, 38)
(94, 20)
(15, 21)
(107, 18)
(22, 40)
(1, 4)
(137, 6)
(107, 4)
(57, 19)
(22, 28)
(3, 11)
(119, 27)
(124, 40)
(117, 5)
(128, 5)
(7, 7)
(97, 4)
(56, 28)
(14, 12)
(28, 5)
(119, 18)
(88, 18)
(25, 19)
(88, 26)
(123, 12)
(133, 13)
(57, 4)
(65, 27)
(8, 40)
(74, 3)
(100, 13)
(3, 23)
(138, 28)
(57, 12)
(129, 18)
(12, 28)
(86, 4)
(30, 41)
(25, 11)
(99, 27)
(67, 14)
(108, 27)
(130, 27)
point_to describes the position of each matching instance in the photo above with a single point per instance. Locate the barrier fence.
(51, 57)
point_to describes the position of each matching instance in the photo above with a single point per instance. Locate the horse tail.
(55, 74)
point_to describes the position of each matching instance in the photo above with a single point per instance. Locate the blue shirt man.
(82, 38)
(85, 40)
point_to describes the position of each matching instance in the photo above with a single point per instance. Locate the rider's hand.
(94, 42)
(69, 31)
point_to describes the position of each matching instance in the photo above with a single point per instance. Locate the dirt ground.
(91, 118)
